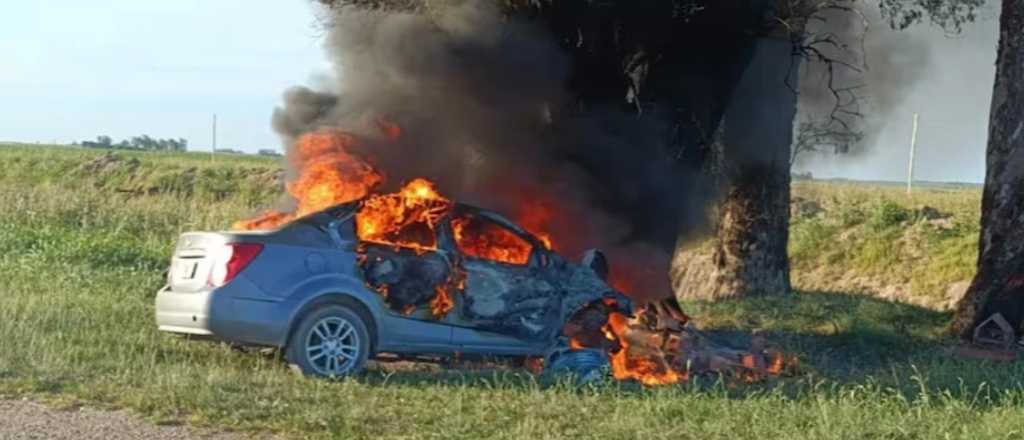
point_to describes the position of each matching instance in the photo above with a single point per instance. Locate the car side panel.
(394, 332)
(470, 340)
(255, 320)
(281, 269)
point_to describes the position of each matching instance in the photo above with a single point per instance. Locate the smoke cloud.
(946, 78)
(482, 104)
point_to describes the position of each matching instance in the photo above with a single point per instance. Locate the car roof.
(347, 208)
(493, 216)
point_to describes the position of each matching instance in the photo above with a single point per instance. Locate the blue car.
(332, 301)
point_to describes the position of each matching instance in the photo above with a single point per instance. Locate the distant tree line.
(264, 151)
(143, 142)
(269, 152)
(803, 176)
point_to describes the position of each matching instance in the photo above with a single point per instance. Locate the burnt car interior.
(474, 270)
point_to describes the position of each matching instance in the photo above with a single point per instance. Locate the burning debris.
(656, 346)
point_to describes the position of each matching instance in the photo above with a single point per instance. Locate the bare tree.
(816, 135)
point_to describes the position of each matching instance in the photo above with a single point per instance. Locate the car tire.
(331, 341)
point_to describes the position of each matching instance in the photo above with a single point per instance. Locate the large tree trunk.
(747, 252)
(999, 285)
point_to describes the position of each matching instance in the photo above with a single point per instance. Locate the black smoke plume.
(593, 113)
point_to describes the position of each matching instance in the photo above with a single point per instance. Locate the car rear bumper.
(185, 312)
(230, 313)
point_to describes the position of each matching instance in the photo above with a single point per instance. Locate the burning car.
(407, 273)
(352, 273)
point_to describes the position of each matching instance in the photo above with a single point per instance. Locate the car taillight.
(232, 259)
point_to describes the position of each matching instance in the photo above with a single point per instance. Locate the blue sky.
(73, 70)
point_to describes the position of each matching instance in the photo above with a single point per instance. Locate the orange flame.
(408, 218)
(488, 241)
(536, 217)
(329, 175)
(269, 220)
(442, 302)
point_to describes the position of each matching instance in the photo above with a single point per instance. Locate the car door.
(406, 277)
(506, 289)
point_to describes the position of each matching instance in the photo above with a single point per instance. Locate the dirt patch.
(21, 419)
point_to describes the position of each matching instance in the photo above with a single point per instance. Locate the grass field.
(878, 239)
(84, 242)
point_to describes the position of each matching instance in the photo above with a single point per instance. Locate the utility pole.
(213, 149)
(913, 148)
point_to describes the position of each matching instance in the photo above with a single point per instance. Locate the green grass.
(81, 260)
(868, 238)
